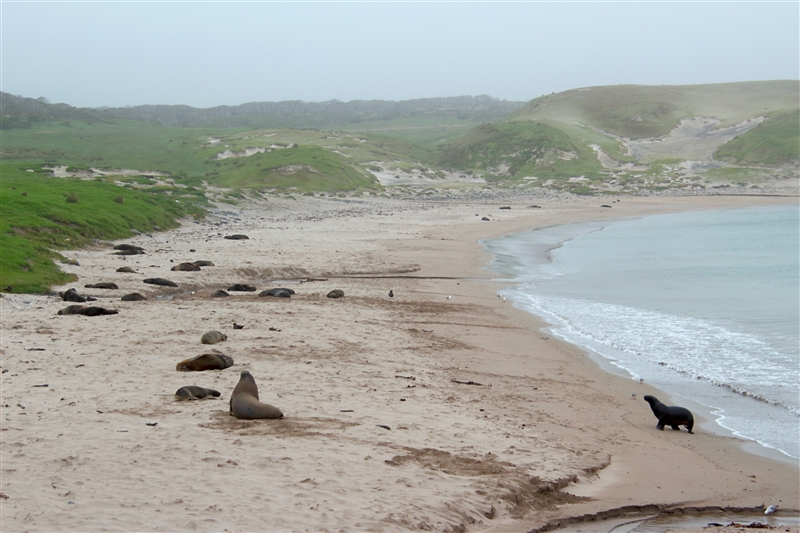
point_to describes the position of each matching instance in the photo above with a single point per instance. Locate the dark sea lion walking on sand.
(244, 401)
(207, 361)
(670, 415)
(193, 392)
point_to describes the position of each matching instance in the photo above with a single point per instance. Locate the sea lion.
(185, 267)
(244, 401)
(670, 415)
(207, 361)
(123, 247)
(219, 293)
(278, 293)
(193, 392)
(129, 252)
(213, 337)
(160, 281)
(102, 285)
(128, 270)
(336, 293)
(237, 237)
(71, 295)
(203, 263)
(87, 311)
(242, 287)
(133, 297)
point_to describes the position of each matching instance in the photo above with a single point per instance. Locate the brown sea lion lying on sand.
(185, 267)
(71, 295)
(244, 401)
(87, 311)
(160, 281)
(207, 361)
(193, 392)
(213, 337)
(102, 285)
(277, 293)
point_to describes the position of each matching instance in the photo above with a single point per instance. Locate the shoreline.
(505, 263)
(458, 457)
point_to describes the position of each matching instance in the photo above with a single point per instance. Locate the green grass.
(38, 222)
(774, 142)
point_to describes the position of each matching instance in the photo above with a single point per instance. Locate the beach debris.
(3, 496)
(237, 326)
(771, 509)
(449, 297)
(345, 410)
(151, 424)
(384, 427)
(407, 377)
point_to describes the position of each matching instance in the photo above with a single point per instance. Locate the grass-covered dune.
(563, 136)
(644, 111)
(42, 216)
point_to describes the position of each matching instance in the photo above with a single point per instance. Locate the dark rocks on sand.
(160, 281)
(237, 237)
(336, 293)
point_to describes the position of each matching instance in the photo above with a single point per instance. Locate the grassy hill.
(583, 140)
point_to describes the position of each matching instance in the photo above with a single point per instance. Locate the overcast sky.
(205, 54)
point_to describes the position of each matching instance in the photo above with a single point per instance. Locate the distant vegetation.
(579, 141)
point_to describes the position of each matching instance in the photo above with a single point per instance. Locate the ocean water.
(704, 305)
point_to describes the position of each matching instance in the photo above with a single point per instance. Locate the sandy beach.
(442, 408)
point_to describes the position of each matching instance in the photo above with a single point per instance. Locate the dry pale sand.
(377, 435)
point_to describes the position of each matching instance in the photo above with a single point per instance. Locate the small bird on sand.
(449, 297)
(771, 509)
(237, 326)
(391, 294)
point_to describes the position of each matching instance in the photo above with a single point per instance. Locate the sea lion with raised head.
(71, 295)
(670, 415)
(207, 361)
(244, 401)
(193, 392)
(213, 337)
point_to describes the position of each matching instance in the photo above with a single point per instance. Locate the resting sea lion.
(129, 252)
(213, 337)
(237, 237)
(244, 401)
(219, 293)
(193, 392)
(133, 297)
(336, 293)
(670, 415)
(137, 249)
(129, 270)
(185, 267)
(87, 311)
(242, 287)
(160, 281)
(278, 293)
(71, 295)
(102, 285)
(207, 361)
(203, 263)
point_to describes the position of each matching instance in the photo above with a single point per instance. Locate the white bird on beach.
(771, 509)
(449, 297)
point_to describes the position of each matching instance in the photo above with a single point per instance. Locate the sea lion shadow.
(282, 427)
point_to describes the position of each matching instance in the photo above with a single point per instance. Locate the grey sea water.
(704, 305)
